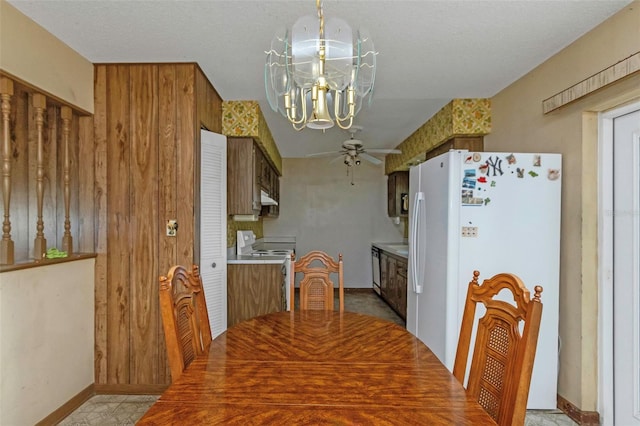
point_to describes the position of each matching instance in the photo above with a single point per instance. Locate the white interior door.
(213, 227)
(626, 268)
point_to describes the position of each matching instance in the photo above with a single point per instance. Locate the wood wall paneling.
(53, 185)
(209, 103)
(144, 237)
(85, 240)
(147, 127)
(118, 230)
(101, 223)
(167, 197)
(187, 131)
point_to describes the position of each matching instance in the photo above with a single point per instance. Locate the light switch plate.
(172, 227)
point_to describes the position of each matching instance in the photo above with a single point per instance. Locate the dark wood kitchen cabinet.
(248, 173)
(401, 287)
(393, 282)
(253, 290)
(398, 194)
(244, 174)
(470, 143)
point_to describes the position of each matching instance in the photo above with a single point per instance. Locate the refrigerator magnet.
(537, 161)
(553, 174)
(532, 173)
(520, 172)
(511, 159)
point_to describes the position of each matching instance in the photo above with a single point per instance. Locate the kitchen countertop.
(240, 259)
(398, 248)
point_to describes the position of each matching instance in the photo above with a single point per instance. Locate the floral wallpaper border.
(244, 118)
(460, 117)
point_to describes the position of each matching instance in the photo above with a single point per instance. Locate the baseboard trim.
(127, 389)
(68, 407)
(584, 418)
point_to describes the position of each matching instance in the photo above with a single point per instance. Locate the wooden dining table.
(312, 368)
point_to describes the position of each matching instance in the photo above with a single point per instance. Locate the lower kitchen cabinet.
(253, 290)
(393, 282)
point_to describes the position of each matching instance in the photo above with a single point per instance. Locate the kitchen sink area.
(400, 249)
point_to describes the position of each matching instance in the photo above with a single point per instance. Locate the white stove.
(245, 247)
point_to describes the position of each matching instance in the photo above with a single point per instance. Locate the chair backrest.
(316, 287)
(184, 317)
(503, 356)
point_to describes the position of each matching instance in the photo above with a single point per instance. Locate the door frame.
(605, 259)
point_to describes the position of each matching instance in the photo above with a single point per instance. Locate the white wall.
(46, 338)
(320, 207)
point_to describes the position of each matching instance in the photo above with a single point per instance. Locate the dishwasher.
(375, 265)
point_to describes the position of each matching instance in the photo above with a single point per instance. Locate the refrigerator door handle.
(417, 282)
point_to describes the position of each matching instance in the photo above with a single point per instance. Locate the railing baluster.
(40, 243)
(67, 239)
(6, 244)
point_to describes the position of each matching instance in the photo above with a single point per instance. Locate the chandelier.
(320, 72)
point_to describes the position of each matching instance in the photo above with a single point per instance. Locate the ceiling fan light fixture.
(320, 73)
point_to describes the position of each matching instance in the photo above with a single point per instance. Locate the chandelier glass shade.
(320, 72)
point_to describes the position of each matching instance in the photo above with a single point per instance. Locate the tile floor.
(106, 410)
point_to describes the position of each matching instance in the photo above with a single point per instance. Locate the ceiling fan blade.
(339, 157)
(384, 151)
(324, 154)
(369, 158)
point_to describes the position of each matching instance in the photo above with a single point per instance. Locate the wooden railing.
(40, 173)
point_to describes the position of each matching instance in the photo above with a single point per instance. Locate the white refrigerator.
(492, 212)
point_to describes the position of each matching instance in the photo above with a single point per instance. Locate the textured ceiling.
(429, 51)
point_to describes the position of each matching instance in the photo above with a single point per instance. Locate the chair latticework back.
(500, 373)
(316, 286)
(184, 317)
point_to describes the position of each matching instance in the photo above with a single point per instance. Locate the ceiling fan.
(353, 150)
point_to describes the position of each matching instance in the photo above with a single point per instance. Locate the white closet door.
(626, 269)
(213, 227)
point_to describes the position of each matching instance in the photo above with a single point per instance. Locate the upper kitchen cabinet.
(254, 165)
(273, 210)
(470, 143)
(249, 176)
(398, 194)
(244, 176)
(147, 171)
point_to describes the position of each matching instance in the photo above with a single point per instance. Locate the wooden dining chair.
(503, 356)
(316, 287)
(184, 317)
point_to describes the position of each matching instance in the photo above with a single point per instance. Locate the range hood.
(245, 217)
(265, 200)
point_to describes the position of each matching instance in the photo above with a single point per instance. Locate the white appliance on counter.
(491, 212)
(245, 242)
